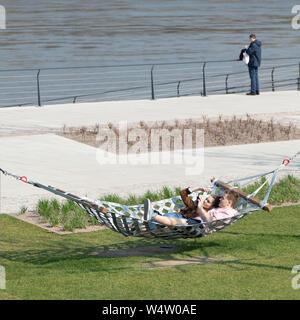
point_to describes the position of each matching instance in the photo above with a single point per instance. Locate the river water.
(42, 34)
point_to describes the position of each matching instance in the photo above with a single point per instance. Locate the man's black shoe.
(257, 93)
(251, 94)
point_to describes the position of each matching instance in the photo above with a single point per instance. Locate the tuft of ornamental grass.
(113, 198)
(23, 210)
(132, 199)
(44, 210)
(55, 212)
(67, 214)
(285, 190)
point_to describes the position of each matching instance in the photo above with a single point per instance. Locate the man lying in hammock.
(207, 210)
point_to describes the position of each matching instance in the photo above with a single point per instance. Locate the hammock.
(128, 220)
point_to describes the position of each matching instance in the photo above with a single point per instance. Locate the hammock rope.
(128, 220)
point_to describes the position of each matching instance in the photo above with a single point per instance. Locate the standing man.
(254, 52)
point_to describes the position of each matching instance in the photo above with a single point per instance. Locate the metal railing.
(21, 87)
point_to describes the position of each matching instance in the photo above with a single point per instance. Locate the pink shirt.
(219, 213)
(222, 213)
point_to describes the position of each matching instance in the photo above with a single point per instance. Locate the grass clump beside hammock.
(70, 216)
(285, 190)
(65, 213)
(164, 193)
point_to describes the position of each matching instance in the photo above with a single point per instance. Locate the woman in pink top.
(225, 209)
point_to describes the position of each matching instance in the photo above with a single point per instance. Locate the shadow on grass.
(76, 250)
(241, 262)
(52, 249)
(45, 257)
(235, 264)
(277, 235)
(73, 250)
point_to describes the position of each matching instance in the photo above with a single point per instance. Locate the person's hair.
(232, 196)
(216, 202)
(252, 36)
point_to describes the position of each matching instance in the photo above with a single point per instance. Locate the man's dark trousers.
(253, 72)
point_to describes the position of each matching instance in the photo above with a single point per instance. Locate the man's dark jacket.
(254, 52)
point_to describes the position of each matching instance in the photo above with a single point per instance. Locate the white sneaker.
(147, 210)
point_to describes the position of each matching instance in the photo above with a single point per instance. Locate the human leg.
(170, 221)
(173, 215)
(252, 79)
(257, 81)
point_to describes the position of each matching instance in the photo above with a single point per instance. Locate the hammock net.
(128, 220)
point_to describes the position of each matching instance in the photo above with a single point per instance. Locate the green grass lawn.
(258, 255)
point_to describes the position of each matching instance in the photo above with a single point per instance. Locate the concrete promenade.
(284, 104)
(27, 148)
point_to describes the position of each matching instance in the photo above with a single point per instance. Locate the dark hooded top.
(254, 52)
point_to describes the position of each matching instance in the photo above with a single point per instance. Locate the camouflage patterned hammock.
(128, 220)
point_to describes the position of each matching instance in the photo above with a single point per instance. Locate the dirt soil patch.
(136, 252)
(183, 262)
(35, 219)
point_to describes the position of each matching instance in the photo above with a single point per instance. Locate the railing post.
(38, 87)
(299, 78)
(178, 89)
(203, 80)
(226, 83)
(152, 84)
(272, 79)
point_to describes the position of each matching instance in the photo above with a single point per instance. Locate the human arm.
(251, 49)
(241, 54)
(199, 189)
(184, 193)
(202, 213)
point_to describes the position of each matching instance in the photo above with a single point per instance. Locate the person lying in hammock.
(207, 210)
(190, 210)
